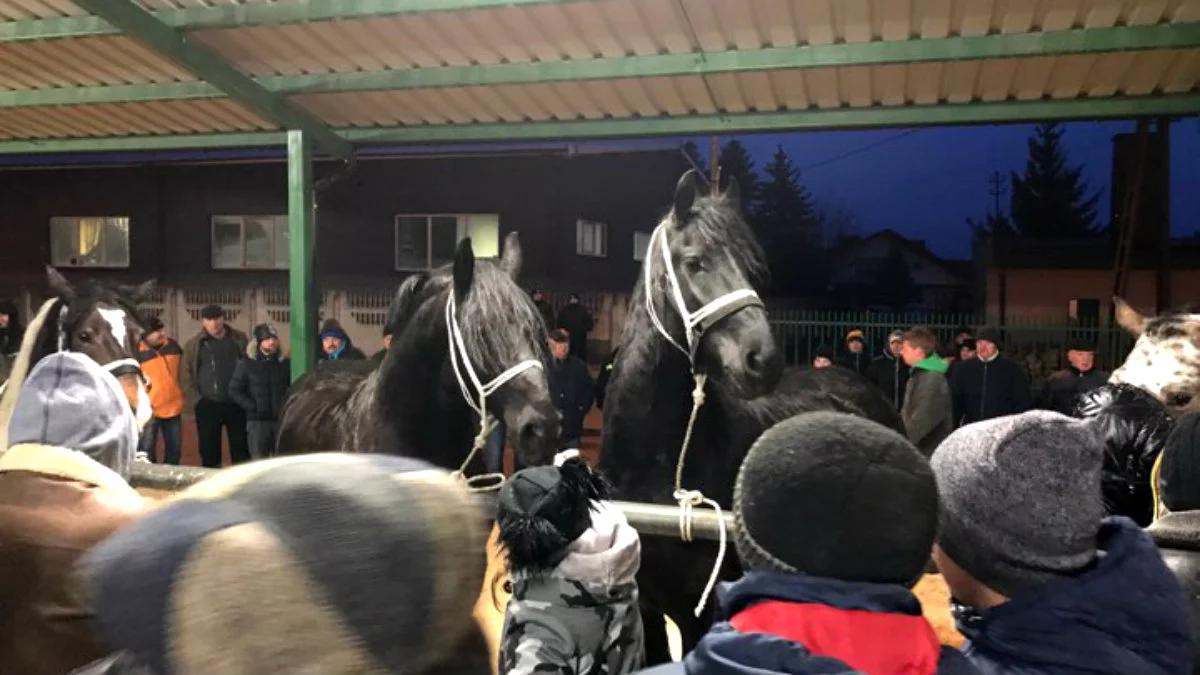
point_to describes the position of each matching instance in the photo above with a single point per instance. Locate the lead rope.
(487, 482)
(689, 499)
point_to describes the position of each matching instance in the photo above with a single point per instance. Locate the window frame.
(275, 218)
(462, 230)
(76, 220)
(580, 224)
(640, 253)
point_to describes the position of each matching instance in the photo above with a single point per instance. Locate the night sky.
(925, 183)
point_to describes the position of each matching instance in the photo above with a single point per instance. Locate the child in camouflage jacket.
(572, 560)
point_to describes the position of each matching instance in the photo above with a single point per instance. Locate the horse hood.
(68, 401)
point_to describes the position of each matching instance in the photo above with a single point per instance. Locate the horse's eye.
(85, 336)
(1179, 400)
(693, 265)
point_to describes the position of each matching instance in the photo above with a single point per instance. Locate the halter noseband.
(695, 324)
(460, 361)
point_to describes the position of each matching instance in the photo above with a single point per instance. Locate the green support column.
(302, 237)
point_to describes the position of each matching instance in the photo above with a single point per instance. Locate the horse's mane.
(23, 363)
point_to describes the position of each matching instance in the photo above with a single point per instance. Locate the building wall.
(171, 207)
(1048, 293)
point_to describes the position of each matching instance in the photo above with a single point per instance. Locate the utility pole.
(714, 164)
(997, 189)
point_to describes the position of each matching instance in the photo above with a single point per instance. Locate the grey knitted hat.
(1021, 498)
(837, 496)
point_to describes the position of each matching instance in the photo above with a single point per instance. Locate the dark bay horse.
(713, 255)
(413, 404)
(95, 319)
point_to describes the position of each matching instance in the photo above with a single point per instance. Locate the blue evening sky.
(925, 183)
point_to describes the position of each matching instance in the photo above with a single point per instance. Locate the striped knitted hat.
(325, 563)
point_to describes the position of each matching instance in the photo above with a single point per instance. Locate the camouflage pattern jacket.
(581, 618)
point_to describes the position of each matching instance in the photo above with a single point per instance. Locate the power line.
(856, 151)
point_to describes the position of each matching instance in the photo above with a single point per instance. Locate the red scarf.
(870, 642)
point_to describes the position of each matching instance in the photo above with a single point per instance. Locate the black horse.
(98, 320)
(648, 403)
(412, 404)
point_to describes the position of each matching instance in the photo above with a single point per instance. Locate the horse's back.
(317, 406)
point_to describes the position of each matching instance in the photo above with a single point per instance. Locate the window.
(90, 241)
(591, 238)
(426, 241)
(641, 243)
(250, 242)
(1084, 311)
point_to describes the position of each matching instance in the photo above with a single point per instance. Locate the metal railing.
(655, 520)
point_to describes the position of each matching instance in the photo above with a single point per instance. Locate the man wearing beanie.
(889, 372)
(572, 560)
(159, 357)
(209, 359)
(1176, 531)
(834, 517)
(1048, 584)
(259, 385)
(988, 385)
(1062, 388)
(63, 489)
(856, 358)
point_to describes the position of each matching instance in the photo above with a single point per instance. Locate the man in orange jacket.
(160, 356)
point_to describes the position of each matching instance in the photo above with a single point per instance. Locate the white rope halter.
(694, 325)
(478, 399)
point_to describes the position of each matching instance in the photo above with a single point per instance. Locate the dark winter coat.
(1125, 614)
(889, 373)
(777, 623)
(571, 390)
(1134, 426)
(985, 389)
(208, 364)
(1062, 389)
(859, 363)
(927, 414)
(348, 352)
(260, 385)
(577, 321)
(547, 313)
(1178, 538)
(10, 336)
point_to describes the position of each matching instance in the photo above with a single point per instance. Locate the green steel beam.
(813, 119)
(252, 14)
(301, 242)
(1075, 41)
(140, 25)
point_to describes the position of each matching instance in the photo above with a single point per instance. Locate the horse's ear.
(59, 285)
(138, 294)
(511, 258)
(464, 269)
(1129, 318)
(733, 192)
(685, 196)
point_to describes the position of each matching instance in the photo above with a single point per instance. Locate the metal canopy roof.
(152, 74)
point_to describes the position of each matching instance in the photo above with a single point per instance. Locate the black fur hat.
(543, 509)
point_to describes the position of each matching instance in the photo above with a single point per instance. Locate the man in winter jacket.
(1133, 426)
(573, 561)
(1063, 388)
(889, 372)
(988, 385)
(63, 489)
(856, 358)
(11, 330)
(1176, 530)
(1047, 583)
(209, 360)
(336, 344)
(160, 358)
(544, 308)
(571, 388)
(833, 519)
(927, 414)
(259, 386)
(577, 321)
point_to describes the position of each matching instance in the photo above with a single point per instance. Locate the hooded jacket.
(790, 623)
(260, 384)
(1177, 536)
(582, 616)
(63, 489)
(348, 352)
(1125, 614)
(928, 412)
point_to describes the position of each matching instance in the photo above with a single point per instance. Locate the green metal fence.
(1035, 342)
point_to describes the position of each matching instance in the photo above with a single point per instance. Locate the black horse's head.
(500, 328)
(713, 254)
(102, 322)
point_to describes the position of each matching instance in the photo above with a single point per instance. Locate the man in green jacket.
(928, 411)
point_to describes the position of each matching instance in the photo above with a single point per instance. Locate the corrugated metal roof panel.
(121, 119)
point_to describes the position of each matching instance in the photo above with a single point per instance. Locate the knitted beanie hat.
(1179, 476)
(542, 509)
(325, 564)
(1021, 499)
(837, 496)
(263, 331)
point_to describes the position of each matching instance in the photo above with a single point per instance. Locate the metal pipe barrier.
(654, 520)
